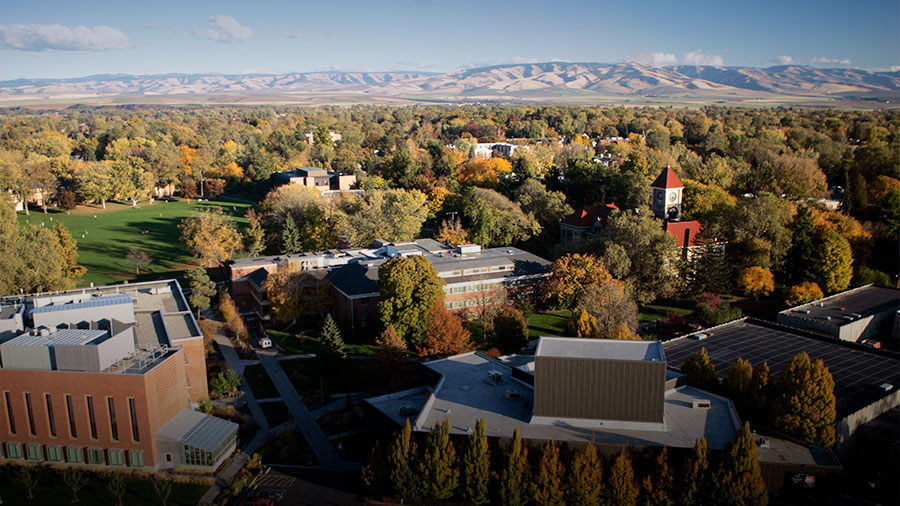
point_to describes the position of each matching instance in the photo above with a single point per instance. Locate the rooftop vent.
(468, 248)
(495, 376)
(700, 337)
(804, 311)
(886, 387)
(764, 442)
(513, 394)
(701, 404)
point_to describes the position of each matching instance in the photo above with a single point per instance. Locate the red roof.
(668, 179)
(588, 215)
(680, 229)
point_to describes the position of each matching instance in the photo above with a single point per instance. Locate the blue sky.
(70, 39)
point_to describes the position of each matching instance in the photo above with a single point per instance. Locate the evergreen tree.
(586, 477)
(547, 485)
(477, 466)
(331, 341)
(291, 240)
(707, 271)
(69, 248)
(700, 371)
(801, 255)
(202, 288)
(439, 472)
(738, 481)
(805, 403)
(514, 476)
(402, 457)
(693, 483)
(621, 489)
(656, 487)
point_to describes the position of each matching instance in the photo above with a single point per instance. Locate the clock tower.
(666, 196)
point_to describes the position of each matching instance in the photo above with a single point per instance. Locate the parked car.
(264, 342)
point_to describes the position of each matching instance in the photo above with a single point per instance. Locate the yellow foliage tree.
(188, 154)
(802, 293)
(757, 281)
(212, 236)
(571, 274)
(484, 173)
(623, 333)
(436, 197)
(295, 293)
(452, 232)
(582, 324)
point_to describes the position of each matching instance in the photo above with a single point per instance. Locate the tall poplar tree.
(738, 481)
(700, 371)
(477, 466)
(656, 487)
(585, 484)
(805, 405)
(439, 472)
(548, 484)
(402, 457)
(514, 476)
(693, 483)
(622, 489)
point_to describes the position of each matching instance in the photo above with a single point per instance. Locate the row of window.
(475, 270)
(70, 412)
(456, 304)
(71, 454)
(454, 289)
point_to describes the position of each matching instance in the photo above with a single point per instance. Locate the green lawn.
(276, 412)
(108, 237)
(51, 490)
(287, 340)
(655, 312)
(548, 324)
(260, 382)
(348, 375)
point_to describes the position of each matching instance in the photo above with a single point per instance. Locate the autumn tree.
(331, 342)
(612, 307)
(439, 472)
(571, 275)
(481, 172)
(694, 480)
(451, 232)
(445, 334)
(802, 293)
(477, 466)
(295, 292)
(402, 461)
(701, 201)
(390, 341)
(212, 236)
(138, 258)
(515, 476)
(757, 281)
(547, 486)
(375, 473)
(582, 324)
(585, 480)
(94, 182)
(69, 250)
(509, 330)
(409, 286)
(833, 261)
(657, 487)
(621, 488)
(738, 480)
(494, 220)
(699, 371)
(804, 404)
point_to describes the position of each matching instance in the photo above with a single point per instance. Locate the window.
(114, 427)
(115, 457)
(33, 452)
(9, 414)
(134, 421)
(30, 414)
(91, 419)
(54, 453)
(94, 456)
(136, 458)
(71, 413)
(13, 450)
(73, 454)
(52, 423)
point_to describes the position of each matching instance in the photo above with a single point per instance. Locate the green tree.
(394, 215)
(331, 342)
(738, 480)
(225, 384)
(116, 487)
(477, 466)
(833, 261)
(254, 235)
(700, 372)
(42, 263)
(515, 476)
(738, 383)
(163, 489)
(494, 220)
(402, 457)
(28, 479)
(804, 404)
(375, 473)
(94, 182)
(657, 487)
(509, 330)
(439, 472)
(291, 240)
(547, 487)
(75, 479)
(621, 488)
(639, 252)
(409, 286)
(585, 484)
(801, 256)
(202, 288)
(694, 483)
(138, 259)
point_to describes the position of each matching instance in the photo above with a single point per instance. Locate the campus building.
(473, 277)
(107, 376)
(313, 177)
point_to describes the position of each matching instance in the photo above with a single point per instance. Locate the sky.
(64, 39)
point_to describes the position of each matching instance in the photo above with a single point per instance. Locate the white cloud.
(698, 57)
(820, 60)
(784, 60)
(657, 59)
(60, 37)
(515, 60)
(294, 35)
(225, 29)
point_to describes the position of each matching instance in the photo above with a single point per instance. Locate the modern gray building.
(854, 315)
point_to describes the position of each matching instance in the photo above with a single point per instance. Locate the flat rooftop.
(465, 395)
(92, 302)
(610, 349)
(858, 371)
(63, 337)
(837, 310)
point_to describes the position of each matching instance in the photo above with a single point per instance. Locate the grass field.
(547, 324)
(276, 412)
(260, 382)
(51, 490)
(104, 241)
(348, 375)
(292, 345)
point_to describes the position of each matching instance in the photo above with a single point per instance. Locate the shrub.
(67, 199)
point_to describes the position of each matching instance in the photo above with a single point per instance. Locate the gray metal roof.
(862, 301)
(612, 349)
(64, 337)
(104, 300)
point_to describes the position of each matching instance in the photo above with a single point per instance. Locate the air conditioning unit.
(701, 404)
(701, 336)
(408, 410)
(513, 394)
(886, 387)
(495, 376)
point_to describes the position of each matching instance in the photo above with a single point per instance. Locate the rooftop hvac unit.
(469, 248)
(513, 394)
(764, 442)
(700, 337)
(408, 410)
(804, 311)
(701, 404)
(886, 387)
(495, 376)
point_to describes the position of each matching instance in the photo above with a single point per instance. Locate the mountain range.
(550, 81)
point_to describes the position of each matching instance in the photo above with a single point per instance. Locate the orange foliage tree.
(484, 173)
(445, 334)
(757, 281)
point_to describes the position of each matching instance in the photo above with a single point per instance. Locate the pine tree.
(202, 288)
(805, 403)
(402, 457)
(291, 240)
(331, 341)
(477, 466)
(586, 477)
(802, 252)
(657, 487)
(738, 480)
(514, 477)
(547, 485)
(621, 489)
(439, 472)
(693, 483)
(700, 371)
